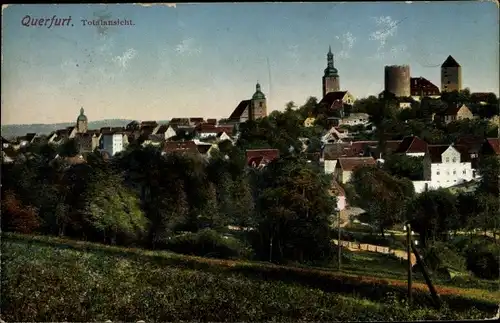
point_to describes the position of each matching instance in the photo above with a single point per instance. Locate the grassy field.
(51, 279)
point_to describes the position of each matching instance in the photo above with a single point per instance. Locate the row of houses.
(113, 140)
(443, 165)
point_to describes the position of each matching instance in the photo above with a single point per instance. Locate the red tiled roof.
(333, 97)
(227, 129)
(263, 156)
(494, 143)
(180, 146)
(421, 85)
(471, 143)
(412, 145)
(236, 115)
(197, 120)
(435, 152)
(392, 145)
(350, 163)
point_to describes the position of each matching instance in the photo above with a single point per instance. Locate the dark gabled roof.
(197, 120)
(450, 62)
(179, 121)
(93, 132)
(464, 153)
(335, 151)
(162, 129)
(212, 121)
(452, 110)
(392, 145)
(471, 143)
(435, 152)
(236, 115)
(493, 144)
(203, 149)
(149, 124)
(412, 144)
(333, 97)
(350, 163)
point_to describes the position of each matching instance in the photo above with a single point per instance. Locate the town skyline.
(215, 54)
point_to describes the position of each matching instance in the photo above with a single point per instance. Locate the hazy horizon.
(202, 60)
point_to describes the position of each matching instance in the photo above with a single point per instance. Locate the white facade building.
(445, 166)
(113, 143)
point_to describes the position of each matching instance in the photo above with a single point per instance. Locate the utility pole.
(339, 242)
(408, 254)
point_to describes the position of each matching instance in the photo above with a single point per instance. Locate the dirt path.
(354, 246)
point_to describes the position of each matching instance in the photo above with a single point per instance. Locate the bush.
(439, 257)
(208, 243)
(484, 264)
(481, 255)
(17, 217)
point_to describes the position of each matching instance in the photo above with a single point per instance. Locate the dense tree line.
(144, 198)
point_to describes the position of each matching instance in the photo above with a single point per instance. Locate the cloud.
(187, 47)
(386, 28)
(347, 41)
(126, 57)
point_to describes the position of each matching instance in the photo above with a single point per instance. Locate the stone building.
(397, 80)
(82, 122)
(331, 81)
(252, 109)
(451, 75)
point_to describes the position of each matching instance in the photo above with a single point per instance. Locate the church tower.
(258, 105)
(82, 122)
(331, 82)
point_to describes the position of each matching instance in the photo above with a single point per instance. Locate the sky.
(194, 60)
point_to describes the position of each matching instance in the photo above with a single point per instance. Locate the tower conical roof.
(450, 62)
(258, 95)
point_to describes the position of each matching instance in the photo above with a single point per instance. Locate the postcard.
(250, 161)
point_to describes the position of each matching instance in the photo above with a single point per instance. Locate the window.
(447, 159)
(454, 160)
(448, 173)
(437, 173)
(464, 172)
(454, 172)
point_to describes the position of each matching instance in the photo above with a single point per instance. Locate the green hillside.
(50, 279)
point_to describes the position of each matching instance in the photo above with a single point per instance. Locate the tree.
(433, 214)
(489, 169)
(403, 166)
(69, 148)
(112, 212)
(293, 211)
(381, 195)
